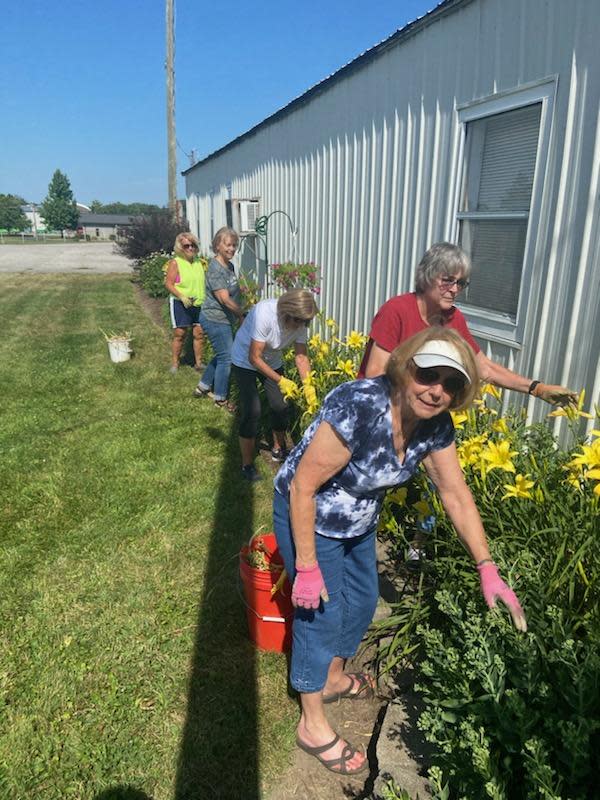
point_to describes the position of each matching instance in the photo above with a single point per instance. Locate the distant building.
(37, 224)
(103, 226)
(36, 221)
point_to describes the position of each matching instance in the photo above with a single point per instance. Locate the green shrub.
(150, 274)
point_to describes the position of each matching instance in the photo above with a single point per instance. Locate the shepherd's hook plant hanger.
(261, 226)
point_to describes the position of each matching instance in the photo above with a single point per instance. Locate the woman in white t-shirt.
(270, 327)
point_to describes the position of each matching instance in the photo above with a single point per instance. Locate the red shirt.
(399, 319)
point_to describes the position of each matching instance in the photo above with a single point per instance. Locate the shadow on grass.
(122, 793)
(218, 751)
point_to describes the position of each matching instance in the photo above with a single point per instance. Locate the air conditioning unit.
(249, 213)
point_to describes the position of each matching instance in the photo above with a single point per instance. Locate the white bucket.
(119, 350)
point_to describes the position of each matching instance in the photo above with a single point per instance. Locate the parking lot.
(81, 257)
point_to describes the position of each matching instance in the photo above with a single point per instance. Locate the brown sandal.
(227, 405)
(363, 692)
(337, 765)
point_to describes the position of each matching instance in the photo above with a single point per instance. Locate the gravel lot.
(76, 258)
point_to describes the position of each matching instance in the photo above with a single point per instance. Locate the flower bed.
(510, 716)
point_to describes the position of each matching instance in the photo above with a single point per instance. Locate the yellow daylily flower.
(573, 412)
(574, 480)
(520, 488)
(500, 426)
(493, 391)
(459, 418)
(331, 323)
(398, 496)
(314, 341)
(324, 349)
(356, 340)
(499, 456)
(589, 457)
(469, 451)
(346, 367)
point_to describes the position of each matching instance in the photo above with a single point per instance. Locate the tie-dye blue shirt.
(349, 504)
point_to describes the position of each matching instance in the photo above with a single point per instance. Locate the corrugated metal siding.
(369, 172)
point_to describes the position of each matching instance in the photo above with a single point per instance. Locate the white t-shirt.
(263, 325)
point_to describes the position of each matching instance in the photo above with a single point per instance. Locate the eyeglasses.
(428, 376)
(300, 321)
(448, 282)
(189, 246)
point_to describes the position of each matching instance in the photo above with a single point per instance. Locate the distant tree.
(133, 209)
(12, 217)
(59, 209)
(150, 234)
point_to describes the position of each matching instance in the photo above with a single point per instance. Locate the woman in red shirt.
(442, 274)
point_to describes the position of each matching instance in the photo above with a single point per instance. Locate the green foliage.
(134, 209)
(250, 289)
(11, 216)
(59, 209)
(511, 716)
(150, 274)
(392, 792)
(155, 233)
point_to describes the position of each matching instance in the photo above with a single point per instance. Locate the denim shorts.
(336, 628)
(182, 317)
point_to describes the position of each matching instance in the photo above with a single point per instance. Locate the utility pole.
(171, 139)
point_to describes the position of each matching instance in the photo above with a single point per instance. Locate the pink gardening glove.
(309, 587)
(493, 588)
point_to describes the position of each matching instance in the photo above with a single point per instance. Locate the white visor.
(438, 353)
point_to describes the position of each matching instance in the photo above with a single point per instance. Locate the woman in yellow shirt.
(184, 281)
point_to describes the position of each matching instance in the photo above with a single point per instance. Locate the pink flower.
(317, 290)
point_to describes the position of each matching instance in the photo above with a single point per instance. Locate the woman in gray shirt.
(220, 309)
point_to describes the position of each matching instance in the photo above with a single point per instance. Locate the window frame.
(488, 324)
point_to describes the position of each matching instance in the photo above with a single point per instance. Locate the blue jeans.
(216, 375)
(336, 628)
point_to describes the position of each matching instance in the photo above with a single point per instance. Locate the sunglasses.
(448, 282)
(300, 321)
(427, 376)
(189, 246)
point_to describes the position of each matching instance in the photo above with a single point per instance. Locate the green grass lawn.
(41, 239)
(125, 671)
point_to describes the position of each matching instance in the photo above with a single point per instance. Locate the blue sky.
(83, 86)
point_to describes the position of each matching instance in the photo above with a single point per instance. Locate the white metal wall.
(369, 170)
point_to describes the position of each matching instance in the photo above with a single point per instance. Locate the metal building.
(479, 123)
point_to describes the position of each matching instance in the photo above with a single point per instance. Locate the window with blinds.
(495, 202)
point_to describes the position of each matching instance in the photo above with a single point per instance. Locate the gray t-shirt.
(220, 277)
